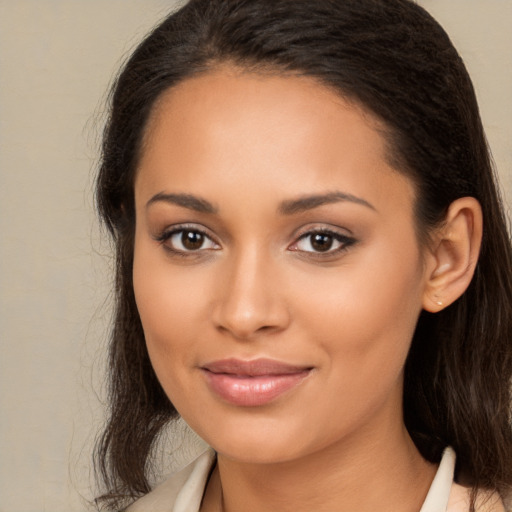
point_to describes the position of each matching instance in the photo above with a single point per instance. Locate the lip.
(252, 383)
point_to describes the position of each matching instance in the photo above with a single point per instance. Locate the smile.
(252, 383)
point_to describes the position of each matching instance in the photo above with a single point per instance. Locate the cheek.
(167, 299)
(364, 315)
(376, 291)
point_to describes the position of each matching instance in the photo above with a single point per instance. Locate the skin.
(250, 145)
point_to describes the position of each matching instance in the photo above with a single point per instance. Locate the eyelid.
(322, 228)
(340, 235)
(343, 238)
(167, 233)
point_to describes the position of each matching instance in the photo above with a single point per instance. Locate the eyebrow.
(288, 207)
(184, 200)
(305, 203)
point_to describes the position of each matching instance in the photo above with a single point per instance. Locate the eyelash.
(344, 241)
(169, 234)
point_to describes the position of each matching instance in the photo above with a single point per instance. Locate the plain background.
(57, 58)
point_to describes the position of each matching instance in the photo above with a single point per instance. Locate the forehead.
(288, 132)
(227, 95)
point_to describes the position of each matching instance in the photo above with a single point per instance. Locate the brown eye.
(192, 240)
(321, 242)
(183, 240)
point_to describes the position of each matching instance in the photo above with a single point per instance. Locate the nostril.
(248, 330)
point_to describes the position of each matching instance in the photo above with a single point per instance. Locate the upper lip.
(253, 368)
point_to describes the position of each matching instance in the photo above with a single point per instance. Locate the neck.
(371, 471)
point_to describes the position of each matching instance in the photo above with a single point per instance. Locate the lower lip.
(252, 391)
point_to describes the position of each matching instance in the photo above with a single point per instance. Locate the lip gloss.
(252, 383)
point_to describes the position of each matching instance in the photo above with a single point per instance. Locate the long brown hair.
(391, 57)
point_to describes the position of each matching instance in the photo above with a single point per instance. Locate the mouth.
(252, 383)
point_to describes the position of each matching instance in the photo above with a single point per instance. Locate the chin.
(259, 440)
(258, 451)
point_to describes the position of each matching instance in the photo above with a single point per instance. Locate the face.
(277, 272)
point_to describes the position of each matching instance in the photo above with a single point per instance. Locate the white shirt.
(184, 490)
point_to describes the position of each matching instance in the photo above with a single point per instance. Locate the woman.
(313, 266)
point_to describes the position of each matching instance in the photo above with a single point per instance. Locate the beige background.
(56, 59)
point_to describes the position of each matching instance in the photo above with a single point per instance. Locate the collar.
(184, 490)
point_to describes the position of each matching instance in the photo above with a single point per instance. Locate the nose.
(251, 301)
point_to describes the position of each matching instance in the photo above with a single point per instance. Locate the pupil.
(321, 242)
(192, 240)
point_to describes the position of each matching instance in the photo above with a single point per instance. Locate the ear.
(453, 255)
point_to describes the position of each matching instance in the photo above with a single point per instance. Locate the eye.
(322, 241)
(187, 240)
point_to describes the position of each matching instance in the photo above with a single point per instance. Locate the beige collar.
(183, 491)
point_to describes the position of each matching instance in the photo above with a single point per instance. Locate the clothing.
(184, 490)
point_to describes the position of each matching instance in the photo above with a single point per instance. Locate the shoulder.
(182, 491)
(448, 496)
(486, 501)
